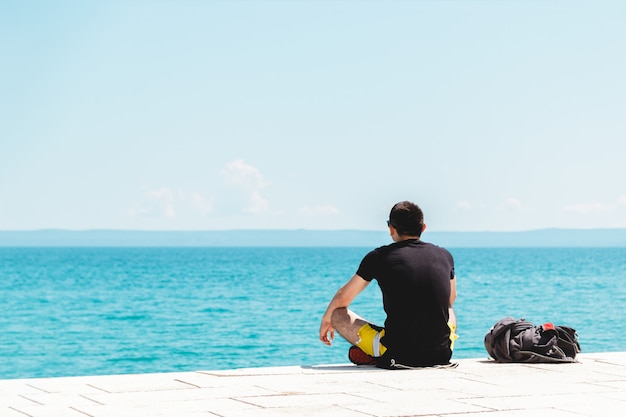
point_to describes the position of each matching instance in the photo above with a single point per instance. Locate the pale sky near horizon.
(211, 115)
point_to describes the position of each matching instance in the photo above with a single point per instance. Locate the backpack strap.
(534, 357)
(568, 341)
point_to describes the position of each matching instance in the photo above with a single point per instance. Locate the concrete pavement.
(475, 388)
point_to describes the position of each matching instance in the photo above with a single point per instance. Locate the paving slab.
(595, 386)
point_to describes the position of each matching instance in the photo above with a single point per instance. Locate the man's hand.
(325, 329)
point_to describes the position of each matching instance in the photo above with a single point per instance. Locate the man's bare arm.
(343, 297)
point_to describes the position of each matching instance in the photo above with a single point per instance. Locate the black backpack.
(517, 340)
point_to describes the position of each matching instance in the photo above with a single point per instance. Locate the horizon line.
(52, 229)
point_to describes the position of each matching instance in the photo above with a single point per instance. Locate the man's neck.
(401, 238)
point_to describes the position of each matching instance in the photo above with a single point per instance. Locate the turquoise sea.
(89, 311)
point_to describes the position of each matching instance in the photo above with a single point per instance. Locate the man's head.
(407, 218)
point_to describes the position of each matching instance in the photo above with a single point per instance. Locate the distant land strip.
(310, 238)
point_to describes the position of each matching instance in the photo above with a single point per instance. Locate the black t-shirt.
(414, 277)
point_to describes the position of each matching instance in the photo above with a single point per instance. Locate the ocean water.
(94, 311)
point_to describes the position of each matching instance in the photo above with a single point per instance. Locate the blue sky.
(211, 115)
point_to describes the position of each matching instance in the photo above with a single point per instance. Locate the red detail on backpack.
(548, 326)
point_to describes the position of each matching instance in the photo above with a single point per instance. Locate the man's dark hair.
(407, 218)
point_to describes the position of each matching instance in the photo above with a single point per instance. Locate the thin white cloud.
(511, 204)
(588, 208)
(241, 192)
(320, 210)
(464, 205)
(258, 203)
(245, 183)
(160, 202)
(238, 173)
(155, 203)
